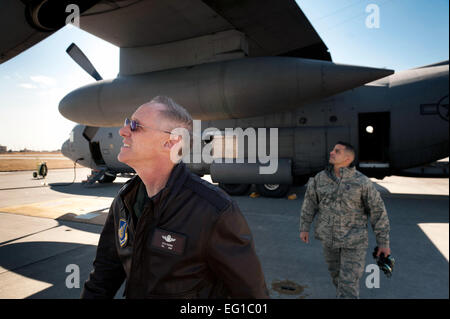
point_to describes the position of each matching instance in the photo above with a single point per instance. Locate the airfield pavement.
(49, 226)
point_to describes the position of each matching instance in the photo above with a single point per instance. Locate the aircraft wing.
(272, 27)
(27, 22)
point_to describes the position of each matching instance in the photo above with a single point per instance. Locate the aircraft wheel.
(273, 190)
(235, 189)
(107, 178)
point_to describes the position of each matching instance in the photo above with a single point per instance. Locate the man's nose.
(125, 131)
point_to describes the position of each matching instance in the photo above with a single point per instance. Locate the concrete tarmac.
(49, 231)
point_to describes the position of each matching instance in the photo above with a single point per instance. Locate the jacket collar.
(346, 172)
(176, 180)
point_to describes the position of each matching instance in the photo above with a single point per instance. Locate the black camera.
(386, 264)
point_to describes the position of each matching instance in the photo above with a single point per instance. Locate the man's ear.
(347, 156)
(350, 157)
(174, 146)
(172, 142)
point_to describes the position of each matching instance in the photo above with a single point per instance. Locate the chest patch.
(168, 241)
(123, 232)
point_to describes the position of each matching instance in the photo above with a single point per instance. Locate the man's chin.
(122, 158)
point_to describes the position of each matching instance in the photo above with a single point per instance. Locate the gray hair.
(175, 113)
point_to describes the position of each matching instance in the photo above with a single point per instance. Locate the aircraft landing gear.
(273, 190)
(107, 178)
(100, 175)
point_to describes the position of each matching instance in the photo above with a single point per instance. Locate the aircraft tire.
(273, 190)
(107, 178)
(235, 189)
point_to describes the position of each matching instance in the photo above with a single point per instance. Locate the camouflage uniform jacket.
(343, 207)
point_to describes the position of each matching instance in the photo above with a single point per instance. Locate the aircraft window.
(110, 135)
(71, 137)
(369, 129)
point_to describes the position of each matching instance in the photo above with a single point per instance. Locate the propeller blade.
(78, 56)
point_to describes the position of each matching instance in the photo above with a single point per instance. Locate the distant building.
(3, 149)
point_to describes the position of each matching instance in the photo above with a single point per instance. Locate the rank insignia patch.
(123, 232)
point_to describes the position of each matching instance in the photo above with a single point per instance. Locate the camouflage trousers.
(346, 268)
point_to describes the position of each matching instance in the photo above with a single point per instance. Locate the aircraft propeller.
(80, 58)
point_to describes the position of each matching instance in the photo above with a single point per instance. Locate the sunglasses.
(134, 125)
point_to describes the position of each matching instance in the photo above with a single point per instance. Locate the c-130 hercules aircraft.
(247, 64)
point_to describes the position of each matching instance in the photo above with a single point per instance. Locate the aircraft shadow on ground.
(47, 262)
(111, 190)
(103, 190)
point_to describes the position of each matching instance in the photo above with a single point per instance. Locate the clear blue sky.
(411, 33)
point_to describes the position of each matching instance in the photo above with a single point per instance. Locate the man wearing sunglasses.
(168, 233)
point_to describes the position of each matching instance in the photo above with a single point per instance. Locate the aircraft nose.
(65, 149)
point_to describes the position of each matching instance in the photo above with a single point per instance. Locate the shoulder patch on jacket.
(211, 193)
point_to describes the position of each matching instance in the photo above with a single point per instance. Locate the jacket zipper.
(137, 235)
(133, 254)
(131, 229)
(339, 180)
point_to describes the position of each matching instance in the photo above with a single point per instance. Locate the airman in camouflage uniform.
(343, 200)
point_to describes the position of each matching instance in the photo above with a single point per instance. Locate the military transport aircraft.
(239, 64)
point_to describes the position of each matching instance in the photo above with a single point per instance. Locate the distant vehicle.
(41, 171)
